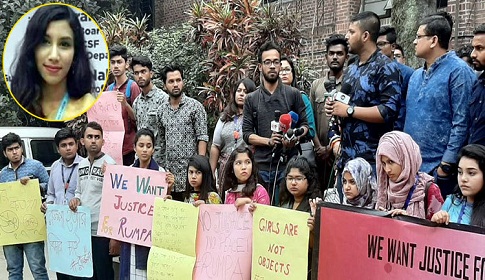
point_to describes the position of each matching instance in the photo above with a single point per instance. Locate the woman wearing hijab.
(402, 189)
(359, 184)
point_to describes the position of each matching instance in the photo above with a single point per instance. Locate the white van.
(38, 143)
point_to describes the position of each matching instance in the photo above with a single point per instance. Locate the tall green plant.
(120, 27)
(230, 33)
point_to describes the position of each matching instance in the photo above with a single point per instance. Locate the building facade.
(321, 18)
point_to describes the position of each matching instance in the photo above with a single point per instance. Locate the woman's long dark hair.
(27, 82)
(476, 152)
(202, 164)
(231, 108)
(293, 70)
(230, 180)
(300, 163)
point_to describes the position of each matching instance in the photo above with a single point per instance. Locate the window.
(441, 4)
(44, 151)
(381, 7)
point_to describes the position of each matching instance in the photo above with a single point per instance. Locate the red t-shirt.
(129, 123)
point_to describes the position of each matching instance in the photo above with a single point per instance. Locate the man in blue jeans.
(20, 168)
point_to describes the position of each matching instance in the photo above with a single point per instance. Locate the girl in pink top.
(240, 183)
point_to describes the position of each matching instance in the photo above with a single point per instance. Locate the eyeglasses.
(295, 179)
(285, 71)
(382, 43)
(275, 62)
(421, 36)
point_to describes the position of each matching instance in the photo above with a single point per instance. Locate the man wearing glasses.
(386, 43)
(272, 151)
(437, 103)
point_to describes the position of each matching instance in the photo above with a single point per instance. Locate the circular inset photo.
(55, 62)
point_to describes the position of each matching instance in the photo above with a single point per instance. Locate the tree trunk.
(405, 17)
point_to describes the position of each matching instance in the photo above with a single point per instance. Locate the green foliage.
(119, 27)
(230, 33)
(170, 45)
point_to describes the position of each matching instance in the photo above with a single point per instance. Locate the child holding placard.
(241, 183)
(467, 206)
(200, 187)
(133, 258)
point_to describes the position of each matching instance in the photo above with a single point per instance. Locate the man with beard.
(182, 129)
(146, 104)
(127, 90)
(88, 193)
(374, 97)
(259, 108)
(477, 100)
(23, 169)
(386, 43)
(337, 54)
(437, 106)
(63, 176)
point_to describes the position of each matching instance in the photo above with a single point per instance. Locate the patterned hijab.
(366, 183)
(401, 149)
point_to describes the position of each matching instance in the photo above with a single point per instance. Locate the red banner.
(360, 246)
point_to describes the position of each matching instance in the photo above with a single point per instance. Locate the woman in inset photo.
(52, 75)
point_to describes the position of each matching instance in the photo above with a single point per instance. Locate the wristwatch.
(350, 111)
(447, 168)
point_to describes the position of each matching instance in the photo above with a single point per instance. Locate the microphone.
(331, 84)
(342, 95)
(293, 133)
(275, 124)
(294, 118)
(285, 123)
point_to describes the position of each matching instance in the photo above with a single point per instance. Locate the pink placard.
(107, 112)
(224, 243)
(127, 203)
(360, 246)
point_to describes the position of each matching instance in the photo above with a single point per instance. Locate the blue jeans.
(268, 179)
(34, 252)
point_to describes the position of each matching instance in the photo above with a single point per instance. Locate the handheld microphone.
(275, 125)
(294, 118)
(285, 123)
(331, 84)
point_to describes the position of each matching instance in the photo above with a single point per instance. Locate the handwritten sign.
(69, 240)
(223, 243)
(107, 112)
(385, 248)
(280, 243)
(127, 203)
(175, 226)
(164, 264)
(20, 218)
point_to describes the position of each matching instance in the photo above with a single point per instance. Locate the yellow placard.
(20, 218)
(175, 226)
(280, 243)
(165, 265)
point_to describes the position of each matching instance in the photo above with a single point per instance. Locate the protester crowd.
(372, 133)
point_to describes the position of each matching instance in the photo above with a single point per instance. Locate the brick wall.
(321, 18)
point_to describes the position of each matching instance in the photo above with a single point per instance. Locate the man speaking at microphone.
(272, 151)
(374, 96)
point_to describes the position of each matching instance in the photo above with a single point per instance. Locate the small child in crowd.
(359, 184)
(241, 181)
(467, 206)
(201, 187)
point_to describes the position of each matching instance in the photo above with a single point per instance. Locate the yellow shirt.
(75, 107)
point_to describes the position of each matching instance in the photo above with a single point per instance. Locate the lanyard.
(410, 194)
(66, 184)
(462, 212)
(62, 107)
